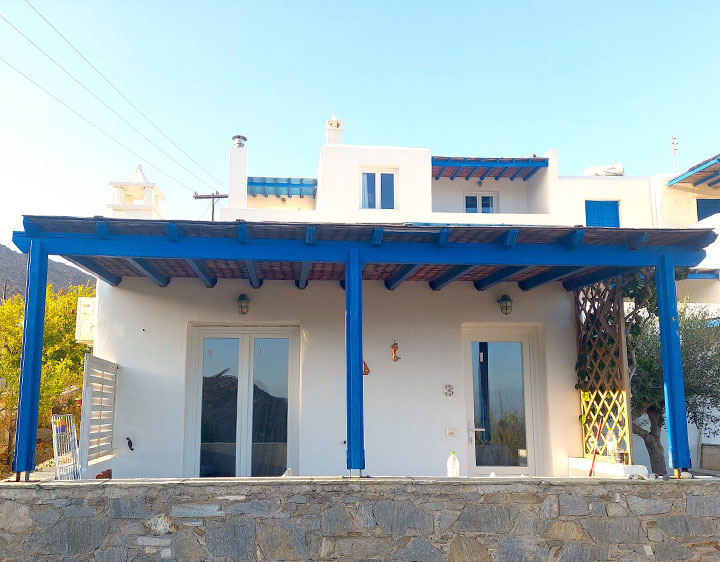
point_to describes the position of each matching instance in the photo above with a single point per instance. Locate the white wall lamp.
(243, 303)
(505, 303)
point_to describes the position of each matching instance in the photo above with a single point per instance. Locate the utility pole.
(674, 151)
(214, 197)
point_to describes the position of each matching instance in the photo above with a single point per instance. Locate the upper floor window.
(378, 190)
(602, 213)
(707, 207)
(480, 203)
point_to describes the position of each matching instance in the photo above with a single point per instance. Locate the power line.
(123, 96)
(108, 135)
(88, 90)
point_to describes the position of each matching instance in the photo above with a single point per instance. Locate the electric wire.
(123, 96)
(88, 90)
(108, 135)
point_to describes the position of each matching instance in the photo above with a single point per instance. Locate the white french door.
(243, 402)
(499, 400)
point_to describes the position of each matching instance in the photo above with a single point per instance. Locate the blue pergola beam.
(203, 273)
(695, 170)
(242, 234)
(150, 271)
(452, 275)
(455, 174)
(472, 171)
(255, 281)
(509, 239)
(593, 277)
(377, 236)
(354, 362)
(574, 239)
(531, 174)
(498, 276)
(172, 230)
(440, 172)
(707, 179)
(713, 184)
(302, 281)
(675, 413)
(402, 274)
(516, 174)
(442, 237)
(90, 265)
(548, 277)
(310, 235)
(31, 363)
(455, 253)
(102, 229)
(639, 240)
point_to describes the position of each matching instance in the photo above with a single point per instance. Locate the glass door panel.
(218, 425)
(499, 432)
(270, 406)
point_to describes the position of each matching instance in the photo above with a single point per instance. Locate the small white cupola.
(333, 130)
(136, 198)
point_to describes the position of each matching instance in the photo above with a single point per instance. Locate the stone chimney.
(136, 198)
(333, 131)
(238, 174)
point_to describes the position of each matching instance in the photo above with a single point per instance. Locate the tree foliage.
(62, 356)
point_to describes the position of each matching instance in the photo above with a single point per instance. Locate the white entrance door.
(499, 401)
(246, 402)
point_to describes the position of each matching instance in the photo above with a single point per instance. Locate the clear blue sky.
(600, 82)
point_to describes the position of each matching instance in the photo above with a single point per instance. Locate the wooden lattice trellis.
(602, 366)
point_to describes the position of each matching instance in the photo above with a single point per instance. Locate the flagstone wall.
(361, 520)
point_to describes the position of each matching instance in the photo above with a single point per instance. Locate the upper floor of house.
(383, 184)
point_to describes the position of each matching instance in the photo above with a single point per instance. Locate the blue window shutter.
(602, 213)
(707, 208)
(610, 214)
(592, 213)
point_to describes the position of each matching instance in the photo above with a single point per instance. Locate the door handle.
(471, 432)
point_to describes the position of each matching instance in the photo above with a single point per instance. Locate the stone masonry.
(334, 519)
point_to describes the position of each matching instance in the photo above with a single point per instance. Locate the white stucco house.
(395, 308)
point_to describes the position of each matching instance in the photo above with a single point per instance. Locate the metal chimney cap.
(239, 140)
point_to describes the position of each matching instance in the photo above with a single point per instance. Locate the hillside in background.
(13, 268)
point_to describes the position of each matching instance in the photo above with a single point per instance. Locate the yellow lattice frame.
(602, 366)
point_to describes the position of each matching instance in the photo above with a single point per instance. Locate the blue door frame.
(354, 254)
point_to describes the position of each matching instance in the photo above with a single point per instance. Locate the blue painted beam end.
(302, 281)
(203, 273)
(172, 230)
(548, 276)
(145, 267)
(401, 275)
(498, 276)
(574, 239)
(377, 236)
(90, 265)
(101, 227)
(242, 234)
(442, 237)
(255, 281)
(509, 239)
(453, 274)
(310, 235)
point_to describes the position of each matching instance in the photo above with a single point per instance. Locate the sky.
(600, 82)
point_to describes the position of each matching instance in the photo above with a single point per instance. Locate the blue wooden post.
(675, 415)
(34, 324)
(354, 358)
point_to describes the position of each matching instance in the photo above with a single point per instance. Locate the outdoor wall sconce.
(243, 303)
(505, 303)
(393, 350)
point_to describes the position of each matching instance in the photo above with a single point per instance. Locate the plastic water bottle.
(453, 465)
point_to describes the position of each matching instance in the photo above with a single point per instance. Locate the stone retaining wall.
(361, 520)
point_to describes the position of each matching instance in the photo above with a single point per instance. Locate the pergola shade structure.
(486, 168)
(113, 249)
(706, 173)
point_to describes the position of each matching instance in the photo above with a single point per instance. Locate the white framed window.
(378, 190)
(481, 202)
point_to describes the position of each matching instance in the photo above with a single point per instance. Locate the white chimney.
(333, 131)
(136, 198)
(238, 175)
